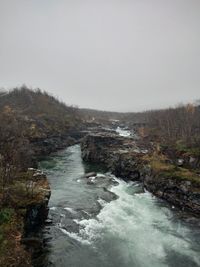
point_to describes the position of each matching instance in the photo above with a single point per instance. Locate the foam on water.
(140, 226)
(122, 132)
(134, 230)
(101, 202)
(70, 210)
(74, 236)
(53, 208)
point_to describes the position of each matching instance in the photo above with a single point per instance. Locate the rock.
(33, 243)
(115, 152)
(179, 193)
(32, 169)
(39, 175)
(180, 162)
(36, 211)
(36, 216)
(108, 196)
(44, 145)
(90, 174)
(91, 180)
(48, 221)
(192, 160)
(123, 157)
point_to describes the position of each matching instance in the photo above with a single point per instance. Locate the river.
(86, 229)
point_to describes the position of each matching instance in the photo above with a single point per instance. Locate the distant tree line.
(180, 124)
(172, 126)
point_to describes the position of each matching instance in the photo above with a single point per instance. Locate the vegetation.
(25, 116)
(161, 166)
(12, 253)
(177, 128)
(40, 113)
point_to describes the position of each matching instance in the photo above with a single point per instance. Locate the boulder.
(180, 162)
(90, 174)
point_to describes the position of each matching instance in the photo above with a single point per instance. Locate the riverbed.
(90, 227)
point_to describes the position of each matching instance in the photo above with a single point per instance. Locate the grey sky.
(123, 55)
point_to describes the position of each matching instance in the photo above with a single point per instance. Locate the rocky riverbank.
(44, 145)
(25, 210)
(26, 207)
(33, 125)
(133, 159)
(24, 204)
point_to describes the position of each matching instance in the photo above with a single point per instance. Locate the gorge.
(93, 188)
(106, 221)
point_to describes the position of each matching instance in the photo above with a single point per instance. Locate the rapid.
(110, 223)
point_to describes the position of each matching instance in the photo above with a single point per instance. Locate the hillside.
(32, 124)
(41, 113)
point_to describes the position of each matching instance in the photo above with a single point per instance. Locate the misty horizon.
(180, 104)
(59, 98)
(118, 56)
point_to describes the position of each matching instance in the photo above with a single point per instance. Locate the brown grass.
(12, 253)
(160, 165)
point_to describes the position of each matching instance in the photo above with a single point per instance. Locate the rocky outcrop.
(37, 209)
(36, 212)
(120, 155)
(44, 146)
(27, 209)
(97, 147)
(183, 193)
(90, 174)
(133, 160)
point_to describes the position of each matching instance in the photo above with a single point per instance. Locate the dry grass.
(12, 253)
(160, 165)
(26, 190)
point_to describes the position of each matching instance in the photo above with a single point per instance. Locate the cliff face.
(27, 208)
(98, 147)
(183, 193)
(135, 160)
(122, 156)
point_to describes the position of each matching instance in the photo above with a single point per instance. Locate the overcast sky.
(123, 55)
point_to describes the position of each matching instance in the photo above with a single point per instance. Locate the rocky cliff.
(133, 159)
(26, 209)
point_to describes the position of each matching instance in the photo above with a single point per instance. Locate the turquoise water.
(90, 227)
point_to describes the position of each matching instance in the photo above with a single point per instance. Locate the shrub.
(6, 215)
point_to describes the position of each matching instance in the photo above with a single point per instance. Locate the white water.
(122, 132)
(135, 230)
(138, 228)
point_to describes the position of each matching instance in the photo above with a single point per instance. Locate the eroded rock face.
(118, 154)
(35, 216)
(45, 146)
(181, 193)
(37, 211)
(97, 147)
(124, 157)
(90, 174)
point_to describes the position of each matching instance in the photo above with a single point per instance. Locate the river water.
(86, 229)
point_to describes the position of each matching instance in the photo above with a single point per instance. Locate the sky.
(118, 55)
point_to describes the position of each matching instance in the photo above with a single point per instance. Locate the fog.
(122, 55)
